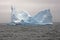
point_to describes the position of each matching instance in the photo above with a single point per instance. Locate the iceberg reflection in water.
(43, 17)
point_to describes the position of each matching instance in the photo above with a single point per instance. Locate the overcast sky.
(32, 6)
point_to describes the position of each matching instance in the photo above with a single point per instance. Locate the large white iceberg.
(43, 17)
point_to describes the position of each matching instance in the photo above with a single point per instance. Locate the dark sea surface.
(30, 32)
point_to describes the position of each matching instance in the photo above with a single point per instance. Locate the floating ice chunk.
(43, 17)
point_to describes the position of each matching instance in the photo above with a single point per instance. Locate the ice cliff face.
(43, 17)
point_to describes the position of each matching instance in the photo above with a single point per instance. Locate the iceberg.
(43, 17)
